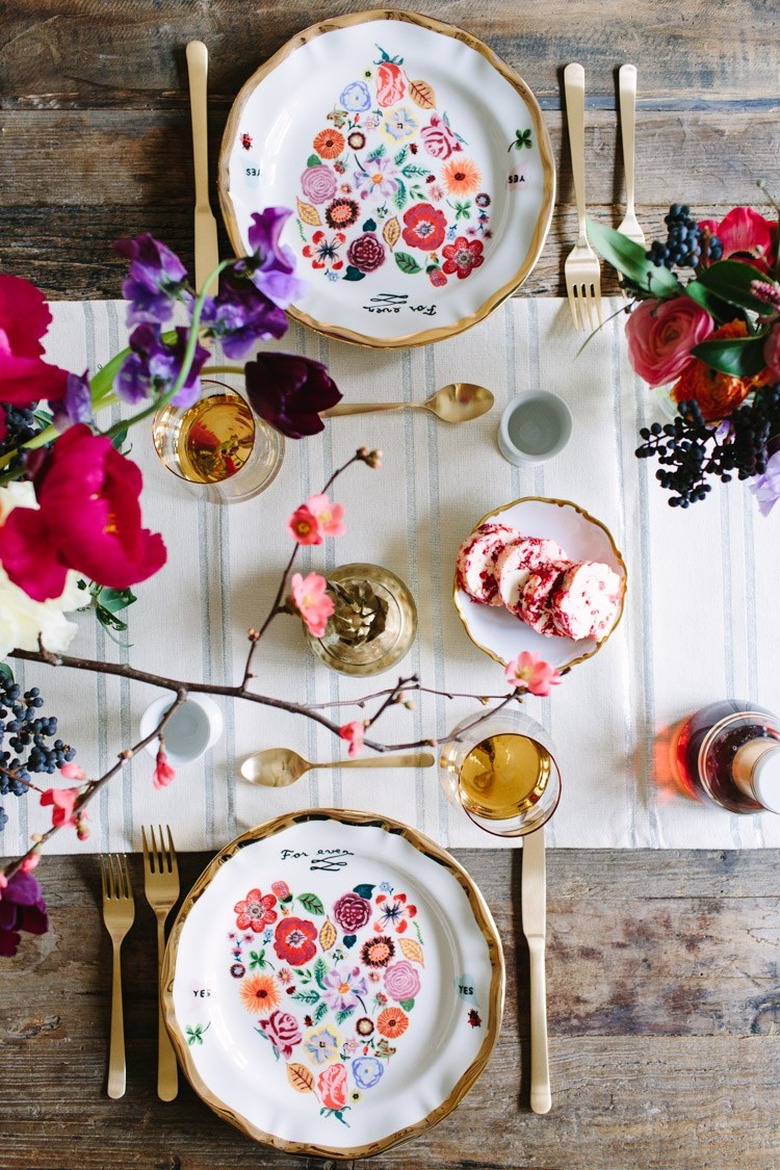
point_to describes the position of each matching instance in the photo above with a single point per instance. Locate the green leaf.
(407, 263)
(741, 357)
(108, 620)
(407, 1004)
(401, 157)
(320, 1011)
(311, 903)
(307, 996)
(369, 225)
(313, 160)
(6, 671)
(364, 891)
(320, 971)
(707, 300)
(350, 940)
(399, 197)
(344, 1015)
(114, 599)
(629, 258)
(353, 273)
(731, 280)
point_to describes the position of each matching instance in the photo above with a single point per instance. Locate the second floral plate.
(417, 166)
(333, 984)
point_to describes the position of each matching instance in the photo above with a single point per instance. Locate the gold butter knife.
(534, 904)
(206, 246)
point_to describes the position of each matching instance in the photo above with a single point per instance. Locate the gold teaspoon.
(278, 767)
(458, 402)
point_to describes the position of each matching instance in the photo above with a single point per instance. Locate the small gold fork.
(581, 268)
(118, 915)
(161, 886)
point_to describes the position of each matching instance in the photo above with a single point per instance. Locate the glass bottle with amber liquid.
(729, 753)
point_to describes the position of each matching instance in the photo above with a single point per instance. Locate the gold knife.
(534, 904)
(206, 246)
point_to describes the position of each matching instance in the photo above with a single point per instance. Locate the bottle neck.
(756, 772)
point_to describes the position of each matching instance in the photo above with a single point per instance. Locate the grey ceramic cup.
(534, 427)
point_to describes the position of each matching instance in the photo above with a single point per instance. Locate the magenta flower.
(304, 527)
(312, 601)
(745, 235)
(353, 733)
(88, 519)
(289, 391)
(21, 908)
(329, 516)
(24, 318)
(532, 673)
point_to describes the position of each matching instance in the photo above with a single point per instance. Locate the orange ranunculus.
(329, 143)
(392, 1022)
(717, 394)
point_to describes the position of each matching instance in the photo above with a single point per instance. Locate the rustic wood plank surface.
(664, 1022)
(662, 967)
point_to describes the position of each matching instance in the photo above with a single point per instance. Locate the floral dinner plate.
(498, 632)
(333, 983)
(417, 166)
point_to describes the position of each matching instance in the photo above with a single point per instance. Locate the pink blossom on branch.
(533, 673)
(163, 772)
(304, 527)
(329, 517)
(353, 733)
(312, 601)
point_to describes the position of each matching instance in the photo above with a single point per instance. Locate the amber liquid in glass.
(713, 775)
(215, 438)
(504, 776)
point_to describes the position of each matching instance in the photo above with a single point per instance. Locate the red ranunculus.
(24, 318)
(88, 519)
(295, 941)
(425, 227)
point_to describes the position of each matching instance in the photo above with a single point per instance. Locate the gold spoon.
(458, 402)
(278, 767)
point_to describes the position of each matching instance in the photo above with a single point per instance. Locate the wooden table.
(662, 967)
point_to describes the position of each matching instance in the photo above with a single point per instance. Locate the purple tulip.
(289, 391)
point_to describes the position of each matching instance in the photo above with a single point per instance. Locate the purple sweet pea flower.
(75, 406)
(766, 487)
(21, 908)
(289, 391)
(272, 267)
(155, 281)
(241, 316)
(154, 365)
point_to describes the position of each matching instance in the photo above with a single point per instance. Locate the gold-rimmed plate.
(333, 983)
(495, 630)
(417, 165)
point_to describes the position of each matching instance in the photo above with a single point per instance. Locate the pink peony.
(533, 673)
(24, 318)
(88, 519)
(661, 335)
(351, 912)
(353, 733)
(402, 981)
(438, 139)
(312, 602)
(745, 235)
(329, 516)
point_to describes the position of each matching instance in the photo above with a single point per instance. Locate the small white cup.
(192, 729)
(535, 426)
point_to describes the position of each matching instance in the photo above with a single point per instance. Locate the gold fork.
(118, 915)
(161, 886)
(627, 93)
(582, 270)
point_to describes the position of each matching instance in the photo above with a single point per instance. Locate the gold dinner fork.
(582, 270)
(161, 886)
(118, 915)
(627, 94)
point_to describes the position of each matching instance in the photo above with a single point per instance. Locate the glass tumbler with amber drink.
(502, 771)
(218, 446)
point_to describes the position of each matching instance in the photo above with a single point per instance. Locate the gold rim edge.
(591, 519)
(482, 916)
(545, 150)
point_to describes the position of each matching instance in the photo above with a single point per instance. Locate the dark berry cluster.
(689, 450)
(24, 736)
(21, 426)
(685, 242)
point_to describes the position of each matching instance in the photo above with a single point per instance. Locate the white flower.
(23, 620)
